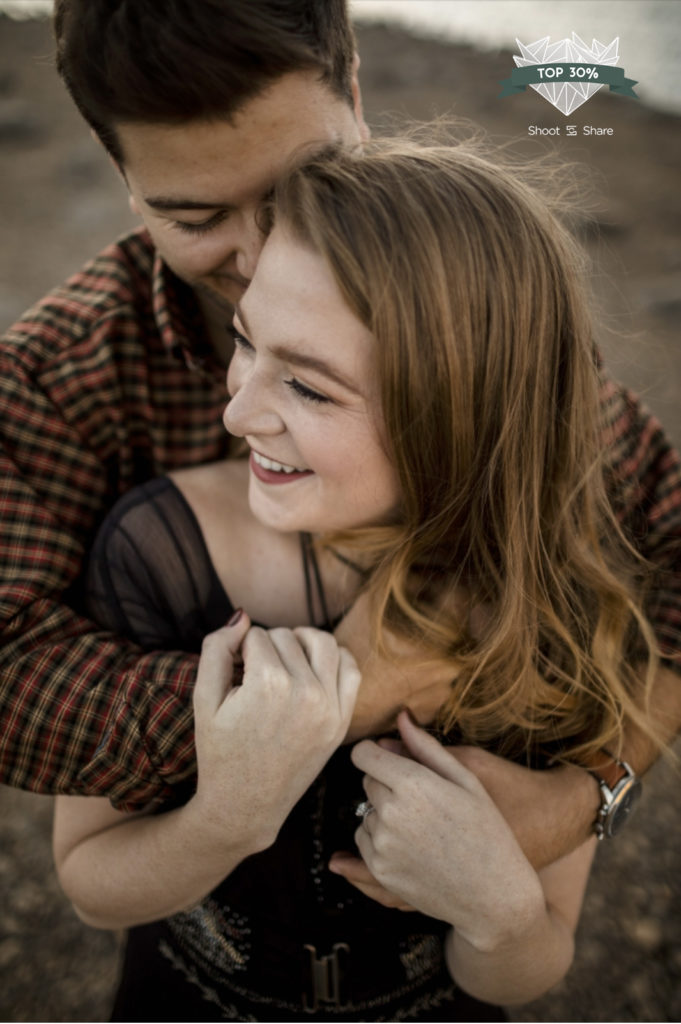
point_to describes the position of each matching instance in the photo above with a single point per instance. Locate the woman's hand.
(261, 744)
(355, 871)
(437, 841)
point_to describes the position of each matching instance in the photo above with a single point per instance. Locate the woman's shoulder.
(150, 575)
(154, 493)
(138, 516)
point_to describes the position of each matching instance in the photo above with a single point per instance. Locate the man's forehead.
(296, 111)
(173, 174)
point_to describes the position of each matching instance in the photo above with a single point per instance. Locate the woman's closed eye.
(305, 392)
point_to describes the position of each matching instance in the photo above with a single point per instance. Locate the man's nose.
(250, 247)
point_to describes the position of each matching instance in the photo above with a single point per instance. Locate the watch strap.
(605, 767)
(609, 772)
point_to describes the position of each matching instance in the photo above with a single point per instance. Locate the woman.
(415, 381)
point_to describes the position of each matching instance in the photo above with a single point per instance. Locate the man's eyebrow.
(182, 203)
(291, 355)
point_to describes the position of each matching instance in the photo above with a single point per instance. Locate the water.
(26, 8)
(649, 30)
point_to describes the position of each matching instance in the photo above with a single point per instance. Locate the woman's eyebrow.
(296, 358)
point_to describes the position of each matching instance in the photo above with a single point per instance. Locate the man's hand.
(550, 812)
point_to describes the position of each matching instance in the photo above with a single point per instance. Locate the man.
(119, 377)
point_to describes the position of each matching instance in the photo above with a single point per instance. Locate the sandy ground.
(60, 203)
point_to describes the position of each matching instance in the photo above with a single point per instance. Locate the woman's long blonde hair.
(490, 405)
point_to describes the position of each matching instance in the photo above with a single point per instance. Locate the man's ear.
(364, 130)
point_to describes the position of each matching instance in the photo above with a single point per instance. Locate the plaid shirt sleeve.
(91, 402)
(646, 494)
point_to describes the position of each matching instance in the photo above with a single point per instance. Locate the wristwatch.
(620, 790)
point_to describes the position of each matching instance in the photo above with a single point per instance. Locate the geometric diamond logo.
(567, 96)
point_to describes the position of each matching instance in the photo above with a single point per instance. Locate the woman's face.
(305, 398)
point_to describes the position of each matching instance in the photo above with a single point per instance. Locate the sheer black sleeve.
(150, 577)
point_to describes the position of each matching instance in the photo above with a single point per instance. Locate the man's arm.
(84, 401)
(644, 486)
(553, 812)
(80, 711)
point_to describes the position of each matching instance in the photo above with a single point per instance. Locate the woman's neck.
(261, 569)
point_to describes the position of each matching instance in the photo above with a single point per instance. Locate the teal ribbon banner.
(557, 74)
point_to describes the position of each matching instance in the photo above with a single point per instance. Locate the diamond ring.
(364, 809)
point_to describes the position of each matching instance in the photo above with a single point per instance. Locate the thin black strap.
(320, 586)
(304, 538)
(310, 563)
(347, 561)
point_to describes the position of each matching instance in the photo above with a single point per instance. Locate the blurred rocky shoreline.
(61, 202)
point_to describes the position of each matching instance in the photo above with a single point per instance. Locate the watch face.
(624, 799)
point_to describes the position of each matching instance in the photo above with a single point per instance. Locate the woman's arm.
(533, 959)
(259, 746)
(438, 842)
(121, 870)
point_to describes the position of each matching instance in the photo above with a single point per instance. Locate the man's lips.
(243, 282)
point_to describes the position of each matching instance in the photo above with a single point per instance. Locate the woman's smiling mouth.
(272, 472)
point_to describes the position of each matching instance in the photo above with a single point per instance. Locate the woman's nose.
(249, 411)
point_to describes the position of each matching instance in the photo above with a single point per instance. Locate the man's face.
(198, 186)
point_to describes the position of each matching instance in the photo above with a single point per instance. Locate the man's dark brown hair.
(171, 61)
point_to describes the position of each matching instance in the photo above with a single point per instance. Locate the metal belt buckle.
(324, 978)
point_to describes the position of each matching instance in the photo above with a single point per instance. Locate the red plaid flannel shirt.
(110, 381)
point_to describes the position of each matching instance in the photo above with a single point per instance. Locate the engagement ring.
(364, 809)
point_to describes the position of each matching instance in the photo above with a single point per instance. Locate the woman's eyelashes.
(308, 394)
(239, 339)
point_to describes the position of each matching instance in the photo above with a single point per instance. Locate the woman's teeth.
(274, 467)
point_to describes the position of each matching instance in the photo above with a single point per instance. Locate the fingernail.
(235, 617)
(410, 715)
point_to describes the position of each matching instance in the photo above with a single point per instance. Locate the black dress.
(282, 938)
